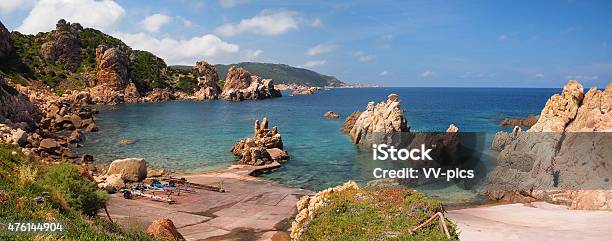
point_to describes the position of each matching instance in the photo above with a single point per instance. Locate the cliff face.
(112, 67)
(207, 81)
(562, 158)
(241, 85)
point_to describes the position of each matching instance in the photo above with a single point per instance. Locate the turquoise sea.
(192, 136)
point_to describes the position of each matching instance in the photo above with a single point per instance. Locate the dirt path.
(538, 221)
(250, 209)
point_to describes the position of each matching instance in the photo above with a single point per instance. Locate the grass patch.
(377, 214)
(69, 198)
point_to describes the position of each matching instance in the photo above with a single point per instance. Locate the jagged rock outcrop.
(379, 122)
(158, 95)
(5, 44)
(64, 46)
(308, 206)
(562, 157)
(112, 67)
(208, 76)
(350, 122)
(265, 147)
(241, 85)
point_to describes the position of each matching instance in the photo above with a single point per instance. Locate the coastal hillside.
(283, 74)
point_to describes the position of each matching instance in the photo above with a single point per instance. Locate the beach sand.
(535, 221)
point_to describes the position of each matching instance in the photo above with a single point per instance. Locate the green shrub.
(65, 181)
(148, 71)
(377, 214)
(186, 84)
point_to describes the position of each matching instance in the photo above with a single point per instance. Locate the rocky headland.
(241, 85)
(305, 91)
(562, 157)
(378, 123)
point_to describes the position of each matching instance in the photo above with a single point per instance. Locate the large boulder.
(164, 228)
(17, 107)
(379, 123)
(5, 43)
(350, 122)
(241, 85)
(561, 155)
(64, 46)
(130, 169)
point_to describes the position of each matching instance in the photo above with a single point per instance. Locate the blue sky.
(394, 43)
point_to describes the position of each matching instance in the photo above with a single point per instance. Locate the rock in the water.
(164, 228)
(241, 85)
(379, 123)
(76, 136)
(559, 155)
(331, 115)
(158, 95)
(130, 169)
(258, 149)
(452, 128)
(64, 46)
(527, 121)
(350, 122)
(306, 91)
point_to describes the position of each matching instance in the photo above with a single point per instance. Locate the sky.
(393, 43)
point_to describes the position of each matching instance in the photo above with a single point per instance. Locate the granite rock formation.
(265, 147)
(379, 123)
(527, 121)
(350, 122)
(64, 46)
(241, 85)
(16, 107)
(331, 115)
(305, 91)
(562, 158)
(208, 76)
(164, 228)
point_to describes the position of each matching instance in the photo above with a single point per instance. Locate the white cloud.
(316, 22)
(361, 56)
(8, 6)
(315, 63)
(320, 49)
(583, 77)
(427, 74)
(539, 75)
(181, 51)
(102, 15)
(231, 3)
(154, 22)
(187, 23)
(249, 55)
(267, 22)
(383, 73)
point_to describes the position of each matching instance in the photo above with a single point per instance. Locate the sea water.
(195, 136)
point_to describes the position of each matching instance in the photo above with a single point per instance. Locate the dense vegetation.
(186, 84)
(148, 71)
(283, 74)
(33, 191)
(377, 214)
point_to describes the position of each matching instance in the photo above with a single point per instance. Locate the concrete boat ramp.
(250, 209)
